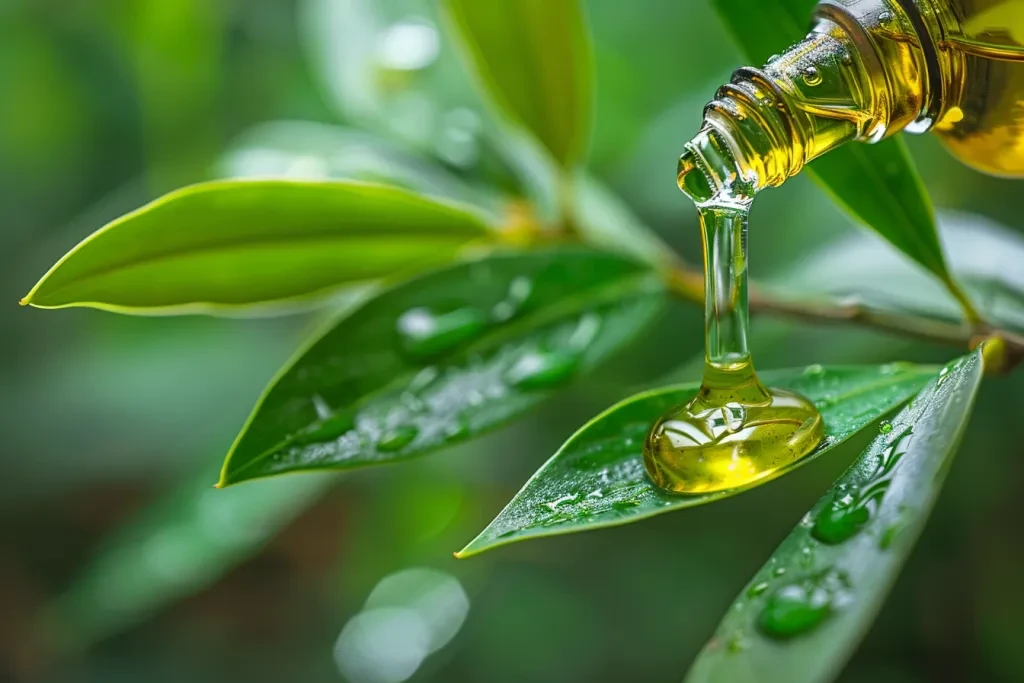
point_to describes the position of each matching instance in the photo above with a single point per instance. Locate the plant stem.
(686, 283)
(567, 202)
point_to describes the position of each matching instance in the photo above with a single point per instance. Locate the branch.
(688, 284)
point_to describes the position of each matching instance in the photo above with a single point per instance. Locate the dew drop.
(519, 291)
(542, 369)
(424, 333)
(458, 428)
(815, 370)
(757, 589)
(397, 438)
(889, 536)
(841, 519)
(885, 427)
(737, 643)
(568, 498)
(325, 431)
(779, 571)
(801, 606)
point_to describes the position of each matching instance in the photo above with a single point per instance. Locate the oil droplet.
(812, 76)
(542, 369)
(424, 333)
(397, 438)
(733, 433)
(885, 427)
(801, 606)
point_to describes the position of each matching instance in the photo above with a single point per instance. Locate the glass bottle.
(869, 69)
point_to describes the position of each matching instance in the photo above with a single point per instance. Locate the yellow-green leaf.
(534, 59)
(228, 244)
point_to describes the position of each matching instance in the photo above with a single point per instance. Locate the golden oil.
(867, 69)
(872, 68)
(735, 431)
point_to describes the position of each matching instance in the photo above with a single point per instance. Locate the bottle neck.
(865, 71)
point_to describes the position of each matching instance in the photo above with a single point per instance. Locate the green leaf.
(443, 357)
(604, 219)
(822, 588)
(597, 478)
(983, 255)
(877, 184)
(304, 150)
(228, 244)
(181, 543)
(534, 59)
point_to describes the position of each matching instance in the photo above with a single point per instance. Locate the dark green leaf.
(236, 243)
(443, 357)
(804, 612)
(534, 59)
(983, 255)
(597, 478)
(877, 184)
(184, 541)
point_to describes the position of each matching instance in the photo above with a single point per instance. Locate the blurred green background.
(105, 105)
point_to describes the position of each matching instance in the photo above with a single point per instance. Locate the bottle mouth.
(709, 172)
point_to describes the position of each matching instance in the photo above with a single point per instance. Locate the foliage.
(477, 302)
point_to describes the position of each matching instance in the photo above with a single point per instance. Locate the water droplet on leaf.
(397, 438)
(542, 369)
(801, 606)
(424, 333)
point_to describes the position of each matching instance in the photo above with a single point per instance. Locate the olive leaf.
(442, 357)
(548, 86)
(984, 255)
(230, 244)
(803, 613)
(597, 478)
